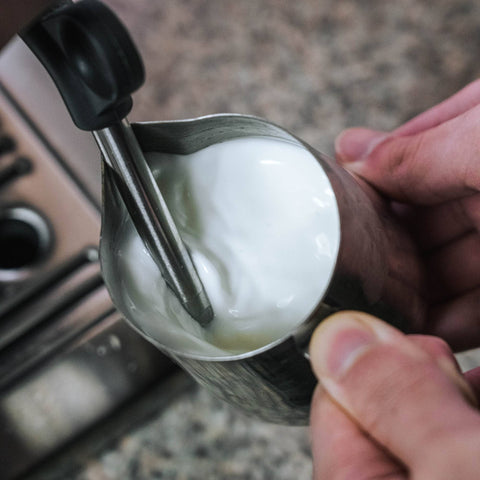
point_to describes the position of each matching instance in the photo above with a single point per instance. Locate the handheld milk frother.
(96, 67)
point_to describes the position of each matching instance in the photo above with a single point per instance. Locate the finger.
(432, 227)
(405, 286)
(341, 450)
(440, 351)
(450, 108)
(436, 347)
(473, 379)
(349, 149)
(457, 321)
(429, 168)
(356, 143)
(394, 390)
(455, 268)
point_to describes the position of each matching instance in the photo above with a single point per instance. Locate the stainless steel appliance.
(67, 358)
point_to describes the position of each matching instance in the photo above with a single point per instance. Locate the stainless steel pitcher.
(96, 69)
(274, 382)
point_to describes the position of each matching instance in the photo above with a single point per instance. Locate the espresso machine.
(68, 361)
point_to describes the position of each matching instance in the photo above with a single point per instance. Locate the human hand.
(430, 170)
(389, 405)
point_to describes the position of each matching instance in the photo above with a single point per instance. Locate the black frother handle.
(91, 58)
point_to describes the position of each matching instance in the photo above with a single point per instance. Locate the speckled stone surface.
(198, 437)
(314, 67)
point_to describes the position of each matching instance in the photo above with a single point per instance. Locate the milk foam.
(259, 218)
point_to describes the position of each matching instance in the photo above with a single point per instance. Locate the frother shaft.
(152, 218)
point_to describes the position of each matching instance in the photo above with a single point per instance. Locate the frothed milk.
(260, 220)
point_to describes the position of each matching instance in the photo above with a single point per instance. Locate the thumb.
(427, 167)
(396, 392)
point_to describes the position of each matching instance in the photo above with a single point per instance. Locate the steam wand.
(95, 65)
(152, 218)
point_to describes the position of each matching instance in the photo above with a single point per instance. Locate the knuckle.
(439, 347)
(403, 162)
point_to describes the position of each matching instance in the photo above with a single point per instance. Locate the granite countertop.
(315, 68)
